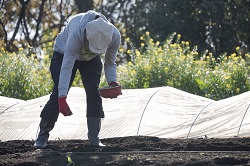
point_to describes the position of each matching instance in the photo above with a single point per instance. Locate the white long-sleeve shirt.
(72, 42)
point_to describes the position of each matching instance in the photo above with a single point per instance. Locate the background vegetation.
(217, 26)
(174, 63)
(154, 64)
(23, 77)
(201, 47)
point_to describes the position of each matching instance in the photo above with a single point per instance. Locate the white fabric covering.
(164, 112)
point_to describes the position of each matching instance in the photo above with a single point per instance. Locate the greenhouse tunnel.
(163, 112)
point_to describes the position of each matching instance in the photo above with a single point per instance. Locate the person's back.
(62, 37)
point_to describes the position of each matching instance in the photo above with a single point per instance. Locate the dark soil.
(137, 150)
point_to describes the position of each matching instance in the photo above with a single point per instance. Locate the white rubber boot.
(94, 126)
(43, 136)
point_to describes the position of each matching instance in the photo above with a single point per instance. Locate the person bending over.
(78, 47)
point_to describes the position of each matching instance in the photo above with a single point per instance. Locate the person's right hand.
(113, 84)
(64, 107)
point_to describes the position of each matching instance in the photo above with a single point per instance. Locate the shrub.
(174, 63)
(22, 77)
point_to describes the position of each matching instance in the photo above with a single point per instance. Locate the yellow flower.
(237, 48)
(50, 43)
(182, 57)
(137, 53)
(129, 51)
(166, 69)
(233, 55)
(159, 60)
(236, 58)
(130, 64)
(121, 50)
(147, 33)
(46, 57)
(228, 86)
(226, 77)
(127, 39)
(142, 44)
(123, 30)
(187, 43)
(157, 43)
(159, 49)
(237, 90)
(133, 72)
(141, 38)
(173, 45)
(179, 35)
(20, 49)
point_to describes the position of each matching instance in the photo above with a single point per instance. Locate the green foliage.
(218, 26)
(22, 77)
(176, 64)
(25, 75)
(170, 63)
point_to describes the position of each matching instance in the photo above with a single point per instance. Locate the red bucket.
(110, 91)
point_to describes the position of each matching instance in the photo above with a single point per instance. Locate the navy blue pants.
(90, 73)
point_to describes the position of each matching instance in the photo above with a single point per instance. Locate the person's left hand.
(113, 84)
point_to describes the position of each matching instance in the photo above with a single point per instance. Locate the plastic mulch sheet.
(164, 112)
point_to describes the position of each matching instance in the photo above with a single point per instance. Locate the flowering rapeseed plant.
(22, 77)
(169, 63)
(174, 63)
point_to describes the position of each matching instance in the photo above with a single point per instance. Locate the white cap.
(99, 34)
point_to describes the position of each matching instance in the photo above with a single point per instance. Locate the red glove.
(64, 107)
(113, 84)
